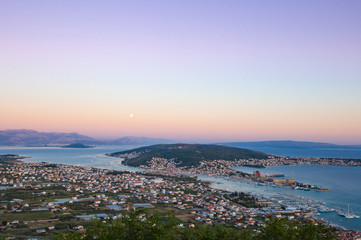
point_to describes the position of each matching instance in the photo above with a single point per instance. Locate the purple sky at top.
(248, 65)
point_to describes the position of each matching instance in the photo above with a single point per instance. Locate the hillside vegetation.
(133, 227)
(186, 154)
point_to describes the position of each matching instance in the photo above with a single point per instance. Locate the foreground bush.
(134, 227)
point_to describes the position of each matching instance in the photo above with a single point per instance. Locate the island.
(212, 160)
(77, 145)
(186, 155)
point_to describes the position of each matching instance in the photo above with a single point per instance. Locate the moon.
(131, 115)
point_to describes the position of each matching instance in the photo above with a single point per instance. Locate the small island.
(76, 145)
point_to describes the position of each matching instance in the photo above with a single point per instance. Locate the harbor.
(332, 205)
(280, 180)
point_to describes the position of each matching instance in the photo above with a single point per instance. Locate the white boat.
(348, 214)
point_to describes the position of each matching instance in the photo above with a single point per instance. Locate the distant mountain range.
(24, 137)
(289, 144)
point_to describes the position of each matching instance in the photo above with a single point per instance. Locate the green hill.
(186, 154)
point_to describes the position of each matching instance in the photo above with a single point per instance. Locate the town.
(43, 199)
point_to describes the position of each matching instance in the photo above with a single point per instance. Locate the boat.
(278, 175)
(348, 214)
(320, 189)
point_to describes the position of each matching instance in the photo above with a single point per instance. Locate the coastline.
(95, 155)
(157, 173)
(216, 182)
(230, 175)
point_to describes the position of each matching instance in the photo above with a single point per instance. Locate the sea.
(344, 182)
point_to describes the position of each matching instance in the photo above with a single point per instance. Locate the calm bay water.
(91, 157)
(344, 182)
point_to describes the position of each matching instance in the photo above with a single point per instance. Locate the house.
(42, 230)
(78, 228)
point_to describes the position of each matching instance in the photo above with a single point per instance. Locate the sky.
(189, 70)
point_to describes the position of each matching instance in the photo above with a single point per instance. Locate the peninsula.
(10, 158)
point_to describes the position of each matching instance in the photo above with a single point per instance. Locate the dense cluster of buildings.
(282, 161)
(224, 167)
(102, 189)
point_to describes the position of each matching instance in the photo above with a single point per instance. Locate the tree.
(283, 229)
(135, 225)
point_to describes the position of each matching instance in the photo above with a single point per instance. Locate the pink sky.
(204, 71)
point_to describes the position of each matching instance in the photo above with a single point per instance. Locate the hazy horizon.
(189, 140)
(188, 70)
